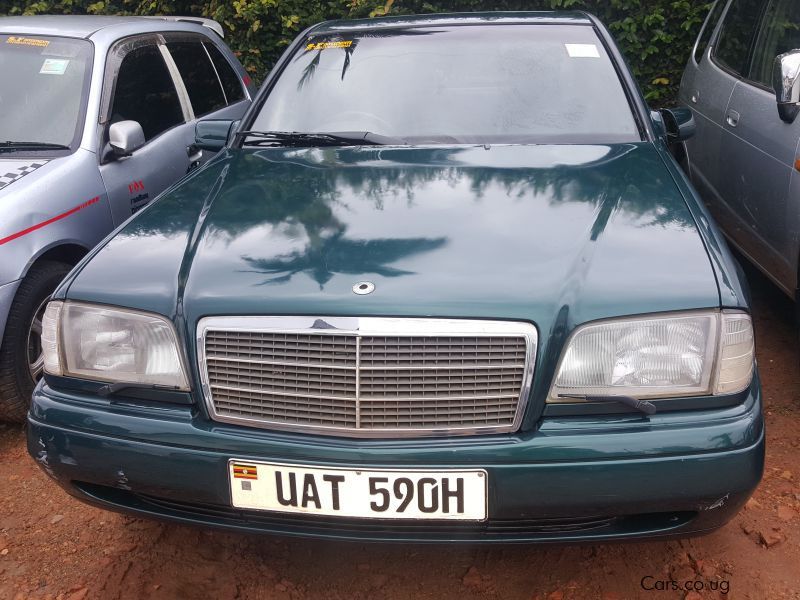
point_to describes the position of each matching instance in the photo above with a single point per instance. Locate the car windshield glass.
(42, 97)
(464, 84)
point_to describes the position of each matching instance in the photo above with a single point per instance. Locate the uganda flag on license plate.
(241, 471)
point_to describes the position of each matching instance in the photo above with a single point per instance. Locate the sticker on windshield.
(53, 66)
(582, 50)
(23, 41)
(326, 45)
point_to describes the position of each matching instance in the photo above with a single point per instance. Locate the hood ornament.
(322, 324)
(362, 288)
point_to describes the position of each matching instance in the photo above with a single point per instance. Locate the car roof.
(85, 26)
(447, 19)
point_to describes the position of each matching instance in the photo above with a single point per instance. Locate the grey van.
(743, 85)
(97, 117)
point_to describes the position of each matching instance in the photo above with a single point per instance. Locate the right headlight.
(114, 345)
(688, 354)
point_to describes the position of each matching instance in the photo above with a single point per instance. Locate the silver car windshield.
(525, 83)
(42, 97)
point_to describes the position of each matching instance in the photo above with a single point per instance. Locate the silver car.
(97, 117)
(742, 85)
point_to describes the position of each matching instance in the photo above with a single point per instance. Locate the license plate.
(458, 494)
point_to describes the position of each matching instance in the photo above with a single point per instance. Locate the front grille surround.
(360, 376)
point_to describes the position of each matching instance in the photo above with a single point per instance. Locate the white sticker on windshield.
(54, 66)
(582, 50)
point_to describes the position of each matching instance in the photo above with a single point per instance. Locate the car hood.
(13, 170)
(552, 234)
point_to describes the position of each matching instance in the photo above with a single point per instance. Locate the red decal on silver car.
(136, 186)
(63, 215)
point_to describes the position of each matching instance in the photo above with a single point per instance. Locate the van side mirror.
(786, 82)
(213, 134)
(679, 123)
(125, 137)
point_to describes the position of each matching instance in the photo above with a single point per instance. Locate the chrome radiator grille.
(369, 376)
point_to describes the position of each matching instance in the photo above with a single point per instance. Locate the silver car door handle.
(733, 118)
(194, 153)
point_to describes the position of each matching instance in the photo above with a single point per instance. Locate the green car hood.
(554, 234)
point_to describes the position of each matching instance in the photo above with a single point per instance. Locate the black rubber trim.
(580, 409)
(136, 395)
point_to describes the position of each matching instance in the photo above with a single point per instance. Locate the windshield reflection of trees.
(347, 52)
(266, 187)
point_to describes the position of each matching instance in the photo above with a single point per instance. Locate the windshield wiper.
(300, 139)
(644, 406)
(10, 145)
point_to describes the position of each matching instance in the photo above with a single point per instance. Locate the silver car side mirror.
(786, 81)
(125, 137)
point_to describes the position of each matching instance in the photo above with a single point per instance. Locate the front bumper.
(573, 479)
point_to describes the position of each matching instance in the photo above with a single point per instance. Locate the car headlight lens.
(692, 354)
(110, 344)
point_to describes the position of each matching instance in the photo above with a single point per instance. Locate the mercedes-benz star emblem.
(362, 288)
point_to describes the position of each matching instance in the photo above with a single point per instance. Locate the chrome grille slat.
(449, 381)
(282, 347)
(278, 392)
(432, 399)
(287, 379)
(411, 367)
(442, 351)
(380, 378)
(279, 408)
(278, 363)
(283, 404)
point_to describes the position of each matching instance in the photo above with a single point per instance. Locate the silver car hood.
(12, 170)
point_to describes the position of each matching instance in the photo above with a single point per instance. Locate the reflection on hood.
(14, 170)
(536, 233)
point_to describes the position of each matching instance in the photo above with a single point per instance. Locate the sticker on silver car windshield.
(23, 41)
(54, 66)
(9, 177)
(582, 51)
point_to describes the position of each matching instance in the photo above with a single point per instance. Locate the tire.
(16, 378)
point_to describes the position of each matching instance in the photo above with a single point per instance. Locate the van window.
(145, 92)
(736, 38)
(779, 34)
(708, 29)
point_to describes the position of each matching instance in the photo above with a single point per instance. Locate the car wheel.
(21, 358)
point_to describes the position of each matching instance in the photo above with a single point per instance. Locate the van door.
(706, 89)
(141, 86)
(760, 149)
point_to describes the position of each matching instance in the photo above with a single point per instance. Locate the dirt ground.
(52, 546)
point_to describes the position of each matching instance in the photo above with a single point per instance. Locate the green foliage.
(656, 36)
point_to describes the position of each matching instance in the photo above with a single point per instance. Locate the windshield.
(42, 97)
(463, 84)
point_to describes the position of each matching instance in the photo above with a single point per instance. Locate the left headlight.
(663, 356)
(110, 344)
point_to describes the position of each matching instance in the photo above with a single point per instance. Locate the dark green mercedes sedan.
(444, 282)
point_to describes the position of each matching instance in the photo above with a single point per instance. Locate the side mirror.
(125, 137)
(679, 123)
(232, 131)
(658, 123)
(786, 81)
(213, 134)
